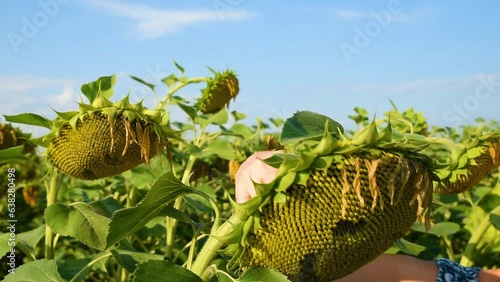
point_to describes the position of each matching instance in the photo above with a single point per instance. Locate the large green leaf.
(4, 243)
(79, 220)
(12, 154)
(304, 125)
(495, 220)
(129, 260)
(221, 148)
(30, 119)
(409, 247)
(29, 239)
(35, 271)
(102, 86)
(438, 229)
(127, 221)
(163, 271)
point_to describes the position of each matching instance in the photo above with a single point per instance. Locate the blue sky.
(440, 58)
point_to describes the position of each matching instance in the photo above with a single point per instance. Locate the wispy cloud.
(152, 23)
(403, 16)
(26, 93)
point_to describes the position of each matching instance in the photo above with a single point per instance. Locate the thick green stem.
(171, 223)
(475, 238)
(52, 190)
(212, 246)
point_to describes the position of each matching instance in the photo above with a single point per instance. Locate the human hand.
(254, 169)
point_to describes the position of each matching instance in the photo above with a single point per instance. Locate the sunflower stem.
(52, 191)
(179, 86)
(472, 245)
(171, 223)
(211, 247)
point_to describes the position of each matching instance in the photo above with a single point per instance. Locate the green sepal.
(234, 236)
(322, 162)
(124, 103)
(285, 181)
(474, 152)
(66, 115)
(154, 115)
(302, 177)
(111, 112)
(85, 107)
(327, 143)
(279, 198)
(386, 134)
(101, 102)
(74, 120)
(367, 136)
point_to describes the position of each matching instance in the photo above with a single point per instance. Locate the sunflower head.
(219, 91)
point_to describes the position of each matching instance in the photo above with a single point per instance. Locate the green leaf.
(242, 130)
(190, 111)
(12, 154)
(305, 125)
(79, 220)
(439, 229)
(129, 260)
(29, 239)
(127, 221)
(238, 116)
(30, 119)
(35, 271)
(4, 244)
(408, 247)
(262, 274)
(218, 118)
(163, 271)
(102, 86)
(170, 80)
(181, 69)
(495, 220)
(221, 148)
(151, 86)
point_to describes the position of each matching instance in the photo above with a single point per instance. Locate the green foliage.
(150, 223)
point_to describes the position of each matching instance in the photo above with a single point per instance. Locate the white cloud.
(65, 100)
(26, 93)
(12, 84)
(403, 16)
(152, 23)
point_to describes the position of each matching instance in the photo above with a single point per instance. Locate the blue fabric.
(450, 271)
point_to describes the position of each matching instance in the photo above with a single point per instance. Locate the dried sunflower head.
(103, 138)
(219, 91)
(336, 203)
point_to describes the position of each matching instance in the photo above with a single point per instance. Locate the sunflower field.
(117, 191)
